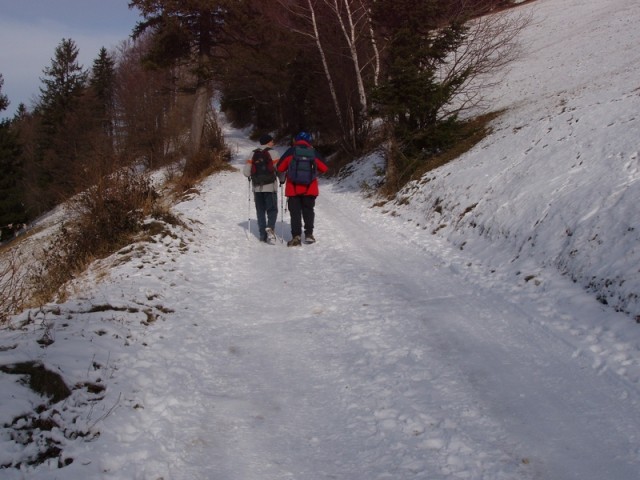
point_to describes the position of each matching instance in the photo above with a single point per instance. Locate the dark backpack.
(262, 171)
(302, 167)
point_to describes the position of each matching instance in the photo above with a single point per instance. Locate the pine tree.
(412, 94)
(102, 82)
(188, 33)
(11, 194)
(64, 81)
(58, 151)
(4, 101)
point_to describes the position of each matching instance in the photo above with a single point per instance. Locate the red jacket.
(294, 189)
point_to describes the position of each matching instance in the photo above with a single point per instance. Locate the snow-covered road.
(384, 351)
(368, 356)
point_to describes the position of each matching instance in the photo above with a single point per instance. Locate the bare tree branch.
(309, 14)
(489, 47)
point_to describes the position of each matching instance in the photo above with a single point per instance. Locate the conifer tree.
(57, 151)
(12, 210)
(411, 93)
(439, 56)
(4, 101)
(63, 83)
(187, 33)
(102, 83)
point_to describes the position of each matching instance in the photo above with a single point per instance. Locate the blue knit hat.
(306, 136)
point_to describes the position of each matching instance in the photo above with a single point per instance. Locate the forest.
(404, 76)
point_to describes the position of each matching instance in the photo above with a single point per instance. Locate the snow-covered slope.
(384, 351)
(558, 182)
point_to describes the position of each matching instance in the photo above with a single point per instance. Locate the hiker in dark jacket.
(301, 198)
(265, 195)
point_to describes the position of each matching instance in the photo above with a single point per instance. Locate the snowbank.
(558, 180)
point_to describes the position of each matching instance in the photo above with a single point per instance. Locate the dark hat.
(264, 139)
(306, 136)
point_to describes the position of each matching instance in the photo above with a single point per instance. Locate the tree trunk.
(325, 64)
(376, 52)
(350, 37)
(391, 174)
(198, 116)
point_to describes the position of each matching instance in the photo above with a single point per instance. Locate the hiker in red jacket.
(302, 162)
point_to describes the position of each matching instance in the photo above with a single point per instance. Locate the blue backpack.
(302, 168)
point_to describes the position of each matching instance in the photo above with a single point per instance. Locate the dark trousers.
(302, 208)
(266, 211)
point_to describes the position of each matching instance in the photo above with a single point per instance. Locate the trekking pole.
(249, 208)
(281, 213)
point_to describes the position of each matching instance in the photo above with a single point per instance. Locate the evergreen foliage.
(4, 101)
(432, 56)
(12, 210)
(189, 34)
(411, 95)
(57, 150)
(102, 82)
(270, 80)
(334, 67)
(63, 83)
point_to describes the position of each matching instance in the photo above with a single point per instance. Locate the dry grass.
(102, 220)
(467, 135)
(200, 166)
(98, 222)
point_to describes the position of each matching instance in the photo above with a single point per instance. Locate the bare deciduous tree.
(349, 19)
(188, 33)
(490, 45)
(307, 12)
(143, 99)
(352, 18)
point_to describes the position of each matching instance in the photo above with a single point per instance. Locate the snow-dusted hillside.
(406, 343)
(558, 182)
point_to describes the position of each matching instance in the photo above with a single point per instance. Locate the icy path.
(379, 353)
(366, 357)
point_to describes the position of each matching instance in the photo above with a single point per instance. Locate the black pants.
(302, 208)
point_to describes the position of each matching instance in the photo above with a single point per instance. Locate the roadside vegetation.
(407, 77)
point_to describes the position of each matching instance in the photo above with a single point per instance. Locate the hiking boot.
(309, 238)
(294, 242)
(271, 236)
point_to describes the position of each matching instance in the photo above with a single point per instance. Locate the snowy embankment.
(384, 351)
(558, 182)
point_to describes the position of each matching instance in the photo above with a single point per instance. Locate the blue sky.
(30, 31)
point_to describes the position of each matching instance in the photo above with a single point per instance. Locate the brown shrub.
(101, 220)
